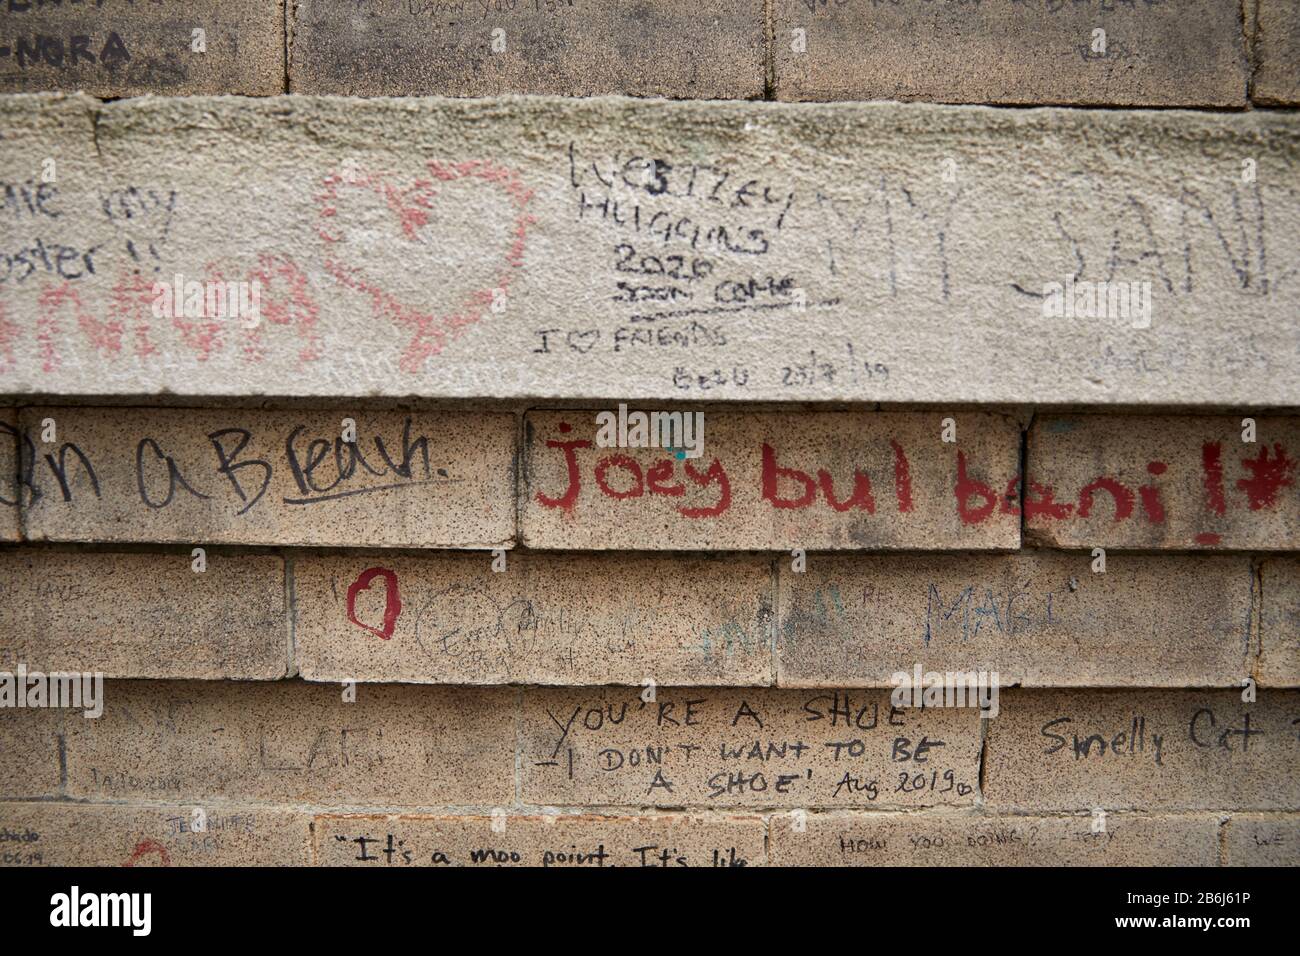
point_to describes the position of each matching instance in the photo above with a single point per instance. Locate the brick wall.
(366, 587)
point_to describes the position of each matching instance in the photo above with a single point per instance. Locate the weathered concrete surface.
(29, 750)
(1036, 619)
(545, 619)
(1006, 51)
(62, 834)
(651, 250)
(776, 481)
(1098, 481)
(121, 48)
(1262, 839)
(714, 747)
(568, 47)
(144, 615)
(290, 743)
(429, 479)
(654, 840)
(1155, 749)
(1279, 650)
(939, 838)
(1276, 51)
(9, 498)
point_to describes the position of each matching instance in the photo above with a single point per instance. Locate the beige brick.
(30, 745)
(567, 47)
(144, 615)
(119, 48)
(1185, 54)
(63, 834)
(657, 840)
(713, 747)
(1034, 618)
(776, 481)
(846, 838)
(9, 487)
(1262, 839)
(435, 479)
(1143, 749)
(545, 619)
(290, 742)
(1277, 53)
(675, 251)
(1156, 482)
(1279, 657)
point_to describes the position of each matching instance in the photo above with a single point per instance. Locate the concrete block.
(1276, 51)
(624, 249)
(1037, 619)
(567, 47)
(291, 743)
(1043, 52)
(78, 834)
(591, 841)
(144, 615)
(714, 747)
(776, 481)
(1279, 653)
(112, 48)
(847, 838)
(10, 529)
(427, 479)
(545, 619)
(1163, 482)
(31, 747)
(1144, 750)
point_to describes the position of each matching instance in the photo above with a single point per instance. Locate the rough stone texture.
(427, 479)
(713, 747)
(566, 47)
(1007, 51)
(545, 619)
(143, 615)
(1035, 618)
(1261, 839)
(659, 840)
(1276, 51)
(849, 209)
(120, 48)
(295, 743)
(53, 834)
(1203, 759)
(29, 750)
(1205, 487)
(1279, 657)
(965, 839)
(9, 519)
(777, 481)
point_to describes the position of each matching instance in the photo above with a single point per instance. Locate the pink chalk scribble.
(287, 302)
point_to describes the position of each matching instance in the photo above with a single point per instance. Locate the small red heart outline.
(410, 205)
(392, 600)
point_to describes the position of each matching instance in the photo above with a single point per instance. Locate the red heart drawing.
(392, 600)
(410, 206)
(144, 848)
